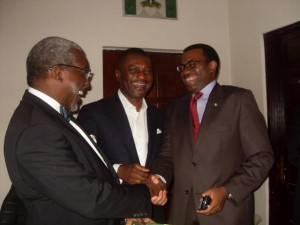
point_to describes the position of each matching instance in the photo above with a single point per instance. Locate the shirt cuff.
(116, 167)
(162, 178)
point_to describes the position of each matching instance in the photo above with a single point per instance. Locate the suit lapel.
(64, 124)
(212, 107)
(109, 166)
(118, 115)
(184, 119)
(213, 104)
(152, 132)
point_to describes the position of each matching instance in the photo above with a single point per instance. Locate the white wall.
(94, 24)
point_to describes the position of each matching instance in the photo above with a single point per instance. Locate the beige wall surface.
(233, 27)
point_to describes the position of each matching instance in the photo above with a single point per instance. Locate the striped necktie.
(65, 113)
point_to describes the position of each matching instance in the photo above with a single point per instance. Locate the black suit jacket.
(59, 177)
(107, 120)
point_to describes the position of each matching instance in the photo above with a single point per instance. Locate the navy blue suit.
(107, 121)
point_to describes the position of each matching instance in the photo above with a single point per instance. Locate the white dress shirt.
(201, 102)
(138, 124)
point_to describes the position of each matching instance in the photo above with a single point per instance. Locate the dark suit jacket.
(107, 120)
(232, 149)
(59, 177)
(13, 211)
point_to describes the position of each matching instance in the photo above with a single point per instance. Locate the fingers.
(140, 221)
(139, 172)
(128, 221)
(161, 199)
(132, 173)
(132, 221)
(155, 179)
(209, 211)
(148, 220)
(141, 168)
(218, 197)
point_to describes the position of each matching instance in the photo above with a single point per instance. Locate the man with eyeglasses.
(126, 127)
(59, 173)
(215, 145)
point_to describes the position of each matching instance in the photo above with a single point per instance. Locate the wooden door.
(167, 82)
(282, 49)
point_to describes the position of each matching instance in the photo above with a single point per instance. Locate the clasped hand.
(133, 173)
(137, 174)
(157, 189)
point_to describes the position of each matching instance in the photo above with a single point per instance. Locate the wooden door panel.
(110, 83)
(282, 49)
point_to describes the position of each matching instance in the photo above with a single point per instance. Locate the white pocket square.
(158, 131)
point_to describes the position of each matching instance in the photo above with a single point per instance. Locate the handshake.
(137, 174)
(157, 189)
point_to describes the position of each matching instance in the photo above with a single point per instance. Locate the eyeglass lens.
(190, 64)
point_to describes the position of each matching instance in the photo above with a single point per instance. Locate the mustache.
(188, 75)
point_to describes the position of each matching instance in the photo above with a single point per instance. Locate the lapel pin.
(215, 104)
(93, 138)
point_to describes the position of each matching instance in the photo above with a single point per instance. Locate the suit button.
(186, 192)
(194, 164)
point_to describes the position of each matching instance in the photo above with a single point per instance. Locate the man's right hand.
(132, 173)
(157, 189)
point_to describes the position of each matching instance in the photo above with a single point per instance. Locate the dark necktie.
(194, 114)
(65, 113)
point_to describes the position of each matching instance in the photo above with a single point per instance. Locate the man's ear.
(212, 66)
(118, 74)
(56, 73)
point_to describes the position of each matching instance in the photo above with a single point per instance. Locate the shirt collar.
(50, 101)
(207, 89)
(127, 104)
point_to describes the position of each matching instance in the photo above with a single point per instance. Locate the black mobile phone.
(204, 202)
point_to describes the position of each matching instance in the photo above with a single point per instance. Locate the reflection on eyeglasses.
(87, 72)
(190, 64)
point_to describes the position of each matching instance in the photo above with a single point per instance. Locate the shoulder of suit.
(233, 89)
(100, 103)
(154, 111)
(178, 101)
(152, 107)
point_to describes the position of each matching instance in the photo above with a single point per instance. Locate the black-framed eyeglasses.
(87, 72)
(190, 64)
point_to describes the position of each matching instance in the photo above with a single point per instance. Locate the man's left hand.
(218, 197)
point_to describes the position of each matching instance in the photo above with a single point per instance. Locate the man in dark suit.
(226, 158)
(126, 127)
(59, 173)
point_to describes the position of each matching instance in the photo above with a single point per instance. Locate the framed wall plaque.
(159, 9)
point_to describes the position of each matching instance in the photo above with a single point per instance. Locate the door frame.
(278, 107)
